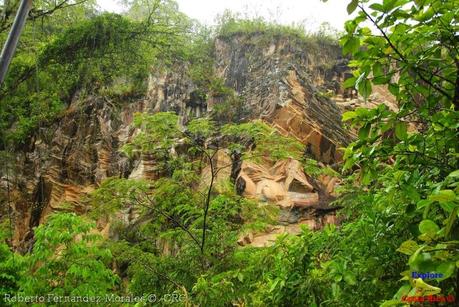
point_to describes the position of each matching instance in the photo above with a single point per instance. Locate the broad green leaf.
(401, 130)
(377, 7)
(365, 88)
(364, 131)
(443, 196)
(389, 5)
(349, 115)
(454, 174)
(402, 291)
(422, 203)
(447, 269)
(362, 112)
(350, 26)
(360, 78)
(415, 257)
(351, 45)
(428, 227)
(349, 82)
(352, 6)
(394, 89)
(408, 247)
(424, 16)
(377, 70)
(379, 77)
(447, 206)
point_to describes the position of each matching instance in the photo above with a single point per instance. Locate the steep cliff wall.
(283, 80)
(280, 81)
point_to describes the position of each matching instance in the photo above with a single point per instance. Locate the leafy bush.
(67, 260)
(230, 24)
(11, 270)
(106, 54)
(408, 158)
(269, 143)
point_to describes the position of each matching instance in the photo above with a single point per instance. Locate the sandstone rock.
(270, 190)
(264, 240)
(329, 183)
(269, 238)
(278, 80)
(277, 183)
(309, 200)
(247, 239)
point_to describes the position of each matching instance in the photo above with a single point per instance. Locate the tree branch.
(168, 217)
(402, 57)
(207, 203)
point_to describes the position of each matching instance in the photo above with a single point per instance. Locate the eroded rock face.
(301, 199)
(278, 80)
(64, 162)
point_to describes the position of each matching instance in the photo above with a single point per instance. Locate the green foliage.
(114, 193)
(198, 52)
(201, 128)
(230, 24)
(229, 107)
(158, 133)
(162, 257)
(269, 143)
(67, 260)
(11, 269)
(104, 54)
(321, 267)
(315, 169)
(163, 251)
(408, 158)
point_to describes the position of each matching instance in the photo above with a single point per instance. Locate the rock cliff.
(280, 80)
(283, 80)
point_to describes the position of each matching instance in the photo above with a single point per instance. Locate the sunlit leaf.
(429, 227)
(408, 247)
(443, 196)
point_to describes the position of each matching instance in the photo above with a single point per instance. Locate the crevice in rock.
(41, 199)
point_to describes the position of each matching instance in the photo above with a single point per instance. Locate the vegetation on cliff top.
(61, 60)
(93, 54)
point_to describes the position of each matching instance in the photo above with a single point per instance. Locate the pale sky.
(311, 13)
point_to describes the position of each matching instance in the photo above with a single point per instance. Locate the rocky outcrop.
(279, 80)
(302, 200)
(284, 183)
(380, 95)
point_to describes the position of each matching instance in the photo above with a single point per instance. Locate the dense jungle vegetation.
(400, 192)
